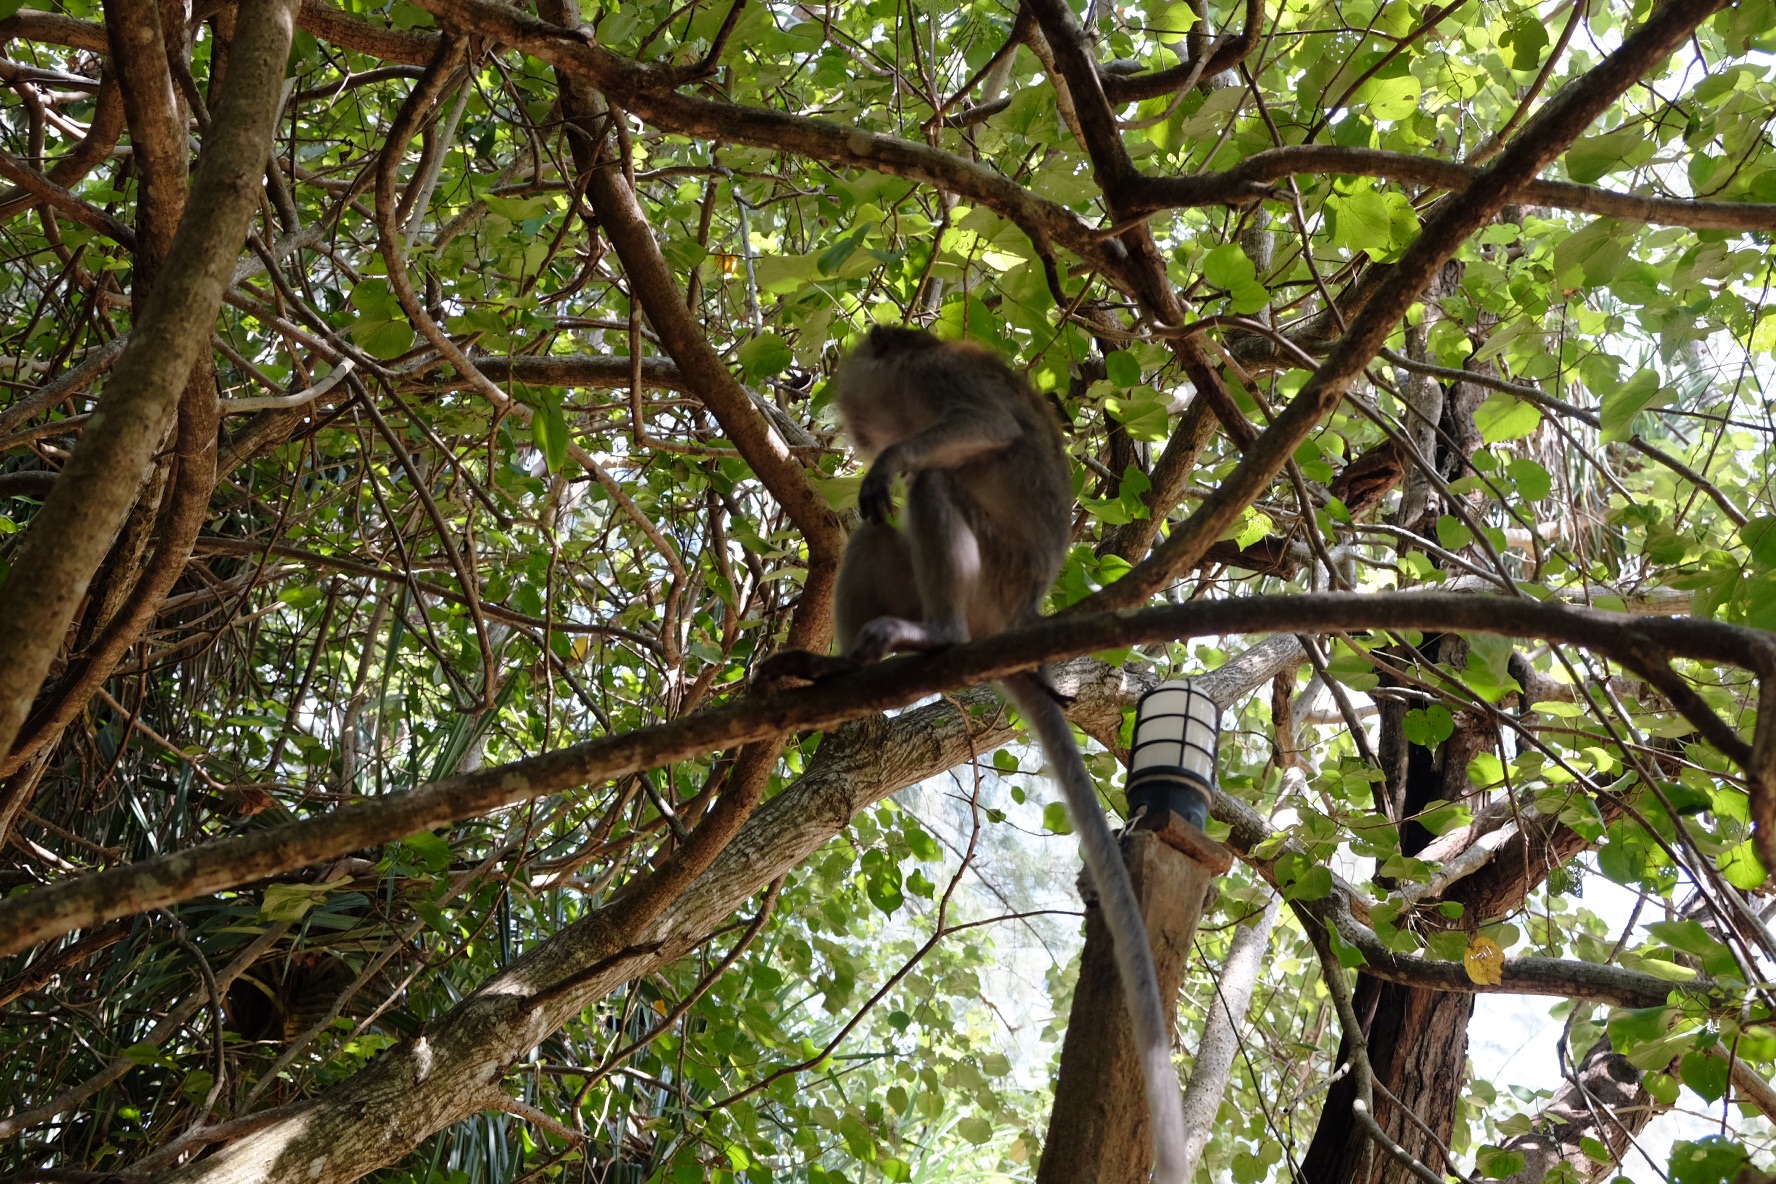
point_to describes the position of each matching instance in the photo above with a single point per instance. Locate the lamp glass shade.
(1177, 736)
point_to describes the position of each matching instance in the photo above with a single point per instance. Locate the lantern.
(1177, 743)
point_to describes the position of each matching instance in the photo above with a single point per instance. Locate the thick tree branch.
(427, 1084)
(67, 204)
(350, 31)
(29, 24)
(69, 537)
(37, 916)
(158, 142)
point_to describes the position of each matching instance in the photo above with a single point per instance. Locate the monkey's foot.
(893, 635)
(800, 666)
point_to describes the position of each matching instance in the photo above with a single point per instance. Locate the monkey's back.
(1017, 497)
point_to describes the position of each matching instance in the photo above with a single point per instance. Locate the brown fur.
(985, 469)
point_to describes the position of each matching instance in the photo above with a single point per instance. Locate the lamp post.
(1097, 1131)
(1177, 746)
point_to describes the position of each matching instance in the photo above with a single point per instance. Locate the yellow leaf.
(1485, 961)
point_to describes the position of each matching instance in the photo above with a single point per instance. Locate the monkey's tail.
(1122, 913)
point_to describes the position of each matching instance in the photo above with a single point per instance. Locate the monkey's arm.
(955, 440)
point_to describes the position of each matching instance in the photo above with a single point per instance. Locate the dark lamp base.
(1157, 795)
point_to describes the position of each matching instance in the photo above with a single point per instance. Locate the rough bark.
(1099, 1131)
(453, 1071)
(1602, 1100)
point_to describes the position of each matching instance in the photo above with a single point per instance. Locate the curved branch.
(1561, 977)
(349, 31)
(1230, 52)
(1250, 178)
(646, 91)
(101, 137)
(67, 204)
(28, 24)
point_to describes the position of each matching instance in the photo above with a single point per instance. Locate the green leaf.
(1122, 368)
(1630, 1029)
(1054, 817)
(196, 1086)
(1711, 1160)
(1532, 480)
(1361, 221)
(1705, 1074)
(1254, 525)
(1313, 884)
(1453, 533)
(1506, 417)
(1593, 156)
(1428, 727)
(1591, 256)
(290, 902)
(1391, 98)
(548, 430)
(1621, 405)
(1741, 867)
(1759, 534)
(1143, 413)
(1449, 945)
(1348, 955)
(142, 1054)
(975, 1129)
(921, 844)
(765, 355)
(1526, 39)
(1440, 817)
(1495, 1163)
(431, 851)
(1227, 267)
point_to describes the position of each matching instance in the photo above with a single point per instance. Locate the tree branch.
(39, 915)
(1247, 181)
(1548, 135)
(69, 537)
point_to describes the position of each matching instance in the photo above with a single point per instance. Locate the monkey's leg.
(876, 579)
(946, 560)
(875, 583)
(878, 606)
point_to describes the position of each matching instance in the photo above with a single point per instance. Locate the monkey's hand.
(875, 497)
(798, 666)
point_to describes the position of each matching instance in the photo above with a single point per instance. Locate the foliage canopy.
(512, 436)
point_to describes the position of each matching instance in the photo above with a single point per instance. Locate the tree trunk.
(1418, 1044)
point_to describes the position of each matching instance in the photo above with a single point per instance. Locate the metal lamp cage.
(1177, 747)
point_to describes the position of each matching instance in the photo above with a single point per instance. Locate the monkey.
(986, 529)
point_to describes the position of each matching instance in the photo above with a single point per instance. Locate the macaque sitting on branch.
(984, 534)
